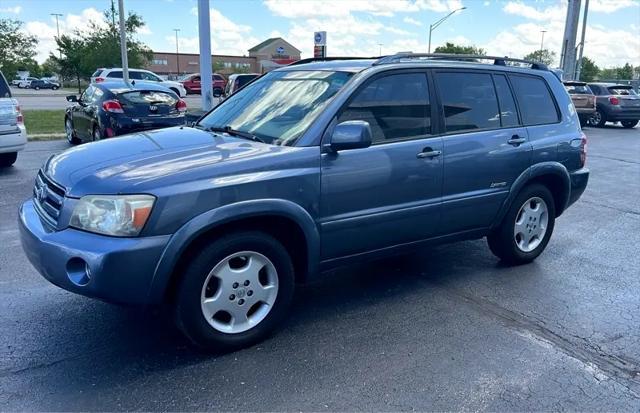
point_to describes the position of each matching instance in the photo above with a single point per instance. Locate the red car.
(192, 83)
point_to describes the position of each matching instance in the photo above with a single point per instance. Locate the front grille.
(48, 197)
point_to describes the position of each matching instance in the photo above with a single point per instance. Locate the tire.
(8, 159)
(54, 88)
(629, 123)
(96, 135)
(513, 245)
(205, 279)
(37, 88)
(69, 132)
(598, 119)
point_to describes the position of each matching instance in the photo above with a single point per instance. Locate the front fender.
(555, 169)
(206, 221)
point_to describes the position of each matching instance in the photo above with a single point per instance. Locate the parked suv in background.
(137, 75)
(44, 84)
(615, 103)
(583, 99)
(312, 166)
(192, 83)
(13, 136)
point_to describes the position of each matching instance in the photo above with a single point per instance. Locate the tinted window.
(469, 101)
(97, 95)
(134, 75)
(396, 107)
(96, 73)
(148, 97)
(5, 92)
(622, 91)
(115, 74)
(218, 77)
(87, 95)
(243, 80)
(536, 104)
(508, 111)
(148, 76)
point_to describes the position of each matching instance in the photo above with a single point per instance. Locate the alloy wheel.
(68, 129)
(531, 224)
(239, 292)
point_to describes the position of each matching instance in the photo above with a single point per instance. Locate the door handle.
(516, 140)
(428, 153)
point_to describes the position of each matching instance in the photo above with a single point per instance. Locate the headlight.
(117, 215)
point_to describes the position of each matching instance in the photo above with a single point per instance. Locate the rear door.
(485, 146)
(387, 194)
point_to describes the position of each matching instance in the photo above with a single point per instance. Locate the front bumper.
(113, 269)
(579, 180)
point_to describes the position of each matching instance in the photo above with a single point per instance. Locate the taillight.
(112, 106)
(583, 149)
(99, 79)
(19, 117)
(181, 105)
(614, 100)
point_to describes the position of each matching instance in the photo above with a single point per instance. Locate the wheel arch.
(286, 221)
(553, 175)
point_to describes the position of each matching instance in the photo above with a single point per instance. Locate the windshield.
(278, 107)
(622, 91)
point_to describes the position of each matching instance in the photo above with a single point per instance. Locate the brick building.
(263, 57)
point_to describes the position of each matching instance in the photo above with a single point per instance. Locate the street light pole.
(433, 26)
(542, 41)
(177, 52)
(58, 30)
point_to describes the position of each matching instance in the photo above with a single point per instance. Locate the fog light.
(78, 271)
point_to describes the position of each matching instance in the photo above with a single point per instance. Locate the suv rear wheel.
(526, 228)
(235, 291)
(8, 159)
(598, 118)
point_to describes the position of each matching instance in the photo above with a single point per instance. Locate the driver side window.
(87, 95)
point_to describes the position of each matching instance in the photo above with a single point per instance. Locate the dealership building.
(268, 55)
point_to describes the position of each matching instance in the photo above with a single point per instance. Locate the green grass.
(44, 122)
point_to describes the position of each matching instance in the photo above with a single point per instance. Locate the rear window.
(115, 74)
(5, 92)
(578, 89)
(218, 77)
(622, 91)
(96, 73)
(148, 97)
(537, 107)
(469, 101)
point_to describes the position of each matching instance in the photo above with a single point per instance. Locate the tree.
(625, 72)
(49, 67)
(545, 56)
(608, 73)
(458, 49)
(589, 71)
(98, 45)
(17, 49)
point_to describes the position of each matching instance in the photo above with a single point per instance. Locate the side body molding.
(555, 169)
(229, 213)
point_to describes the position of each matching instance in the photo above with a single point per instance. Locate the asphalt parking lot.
(448, 328)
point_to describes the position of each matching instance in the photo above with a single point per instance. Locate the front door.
(387, 194)
(485, 147)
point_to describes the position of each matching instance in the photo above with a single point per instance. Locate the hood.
(150, 159)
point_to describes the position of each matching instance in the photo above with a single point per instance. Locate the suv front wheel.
(235, 291)
(526, 228)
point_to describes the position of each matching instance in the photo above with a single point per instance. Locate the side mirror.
(72, 98)
(352, 134)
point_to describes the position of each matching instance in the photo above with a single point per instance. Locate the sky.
(354, 27)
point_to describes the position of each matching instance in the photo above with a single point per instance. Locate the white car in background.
(26, 82)
(13, 136)
(137, 75)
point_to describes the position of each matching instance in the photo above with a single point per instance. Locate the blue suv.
(311, 166)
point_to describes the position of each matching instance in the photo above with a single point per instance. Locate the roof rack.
(497, 60)
(327, 59)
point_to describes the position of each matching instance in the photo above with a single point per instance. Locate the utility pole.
(568, 55)
(542, 41)
(204, 37)
(584, 29)
(433, 26)
(177, 52)
(123, 43)
(58, 30)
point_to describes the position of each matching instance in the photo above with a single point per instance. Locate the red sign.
(319, 51)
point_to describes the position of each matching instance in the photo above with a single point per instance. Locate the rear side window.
(396, 107)
(5, 92)
(148, 97)
(96, 73)
(115, 74)
(469, 101)
(536, 104)
(508, 111)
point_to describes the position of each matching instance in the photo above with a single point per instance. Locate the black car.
(43, 84)
(115, 108)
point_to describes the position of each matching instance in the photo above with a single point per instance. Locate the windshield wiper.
(228, 129)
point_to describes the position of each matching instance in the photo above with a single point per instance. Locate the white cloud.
(439, 6)
(11, 10)
(413, 21)
(341, 8)
(486, 3)
(145, 30)
(518, 8)
(610, 6)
